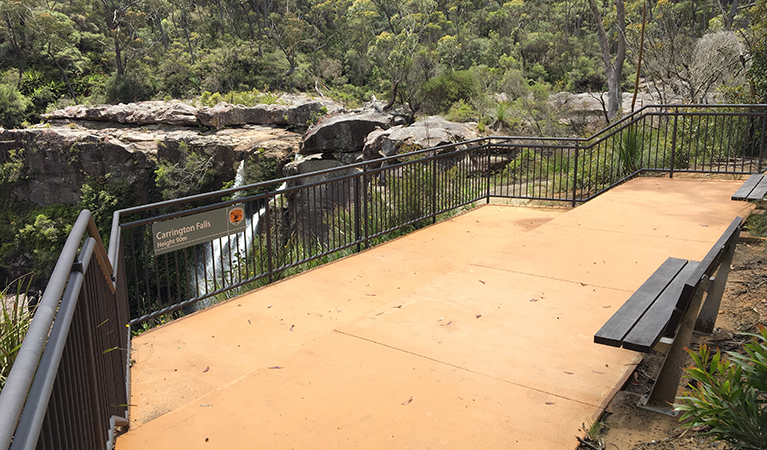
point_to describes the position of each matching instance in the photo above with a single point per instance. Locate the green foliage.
(15, 317)
(44, 235)
(245, 98)
(14, 170)
(438, 94)
(187, 176)
(102, 197)
(756, 224)
(13, 106)
(460, 111)
(730, 395)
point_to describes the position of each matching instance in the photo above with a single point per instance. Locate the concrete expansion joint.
(550, 278)
(542, 391)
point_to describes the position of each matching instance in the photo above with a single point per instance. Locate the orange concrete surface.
(473, 333)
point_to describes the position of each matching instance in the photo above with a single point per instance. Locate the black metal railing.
(68, 386)
(316, 217)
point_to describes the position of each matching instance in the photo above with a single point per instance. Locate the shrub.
(13, 106)
(125, 89)
(438, 94)
(15, 317)
(731, 394)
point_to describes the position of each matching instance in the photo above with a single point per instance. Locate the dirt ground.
(744, 305)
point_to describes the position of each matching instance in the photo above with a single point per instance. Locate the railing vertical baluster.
(761, 140)
(487, 173)
(673, 143)
(575, 174)
(357, 205)
(269, 260)
(433, 187)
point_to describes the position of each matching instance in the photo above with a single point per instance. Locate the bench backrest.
(707, 267)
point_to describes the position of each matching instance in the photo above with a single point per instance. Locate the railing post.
(269, 262)
(761, 143)
(673, 143)
(487, 174)
(365, 202)
(434, 188)
(575, 174)
(357, 233)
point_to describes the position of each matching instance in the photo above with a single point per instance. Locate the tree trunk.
(613, 70)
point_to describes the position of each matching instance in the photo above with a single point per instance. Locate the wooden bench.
(663, 313)
(753, 190)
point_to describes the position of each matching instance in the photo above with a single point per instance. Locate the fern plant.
(730, 395)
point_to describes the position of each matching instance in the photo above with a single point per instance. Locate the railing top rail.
(19, 381)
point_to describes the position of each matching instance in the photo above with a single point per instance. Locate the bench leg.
(661, 398)
(710, 309)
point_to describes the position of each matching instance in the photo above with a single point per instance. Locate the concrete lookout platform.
(475, 333)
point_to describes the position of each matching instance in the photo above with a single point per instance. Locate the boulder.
(343, 133)
(432, 131)
(318, 202)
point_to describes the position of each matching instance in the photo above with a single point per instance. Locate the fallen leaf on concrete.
(533, 300)
(206, 404)
(398, 306)
(446, 324)
(606, 306)
(569, 373)
(478, 316)
(379, 313)
(596, 371)
(276, 367)
(291, 327)
(206, 369)
(481, 281)
(407, 402)
(549, 403)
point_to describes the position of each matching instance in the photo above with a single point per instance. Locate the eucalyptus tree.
(613, 67)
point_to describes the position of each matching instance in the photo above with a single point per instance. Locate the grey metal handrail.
(31, 378)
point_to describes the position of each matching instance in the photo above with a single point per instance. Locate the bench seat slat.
(759, 191)
(621, 323)
(649, 329)
(743, 192)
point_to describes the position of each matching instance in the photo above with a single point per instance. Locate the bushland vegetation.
(434, 55)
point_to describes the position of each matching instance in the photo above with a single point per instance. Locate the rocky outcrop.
(141, 113)
(343, 133)
(290, 110)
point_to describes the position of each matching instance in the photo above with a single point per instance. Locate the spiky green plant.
(730, 395)
(15, 317)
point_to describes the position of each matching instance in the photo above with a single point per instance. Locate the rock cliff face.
(57, 161)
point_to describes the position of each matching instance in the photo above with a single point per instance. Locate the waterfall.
(214, 270)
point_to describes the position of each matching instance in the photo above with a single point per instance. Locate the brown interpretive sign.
(195, 229)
